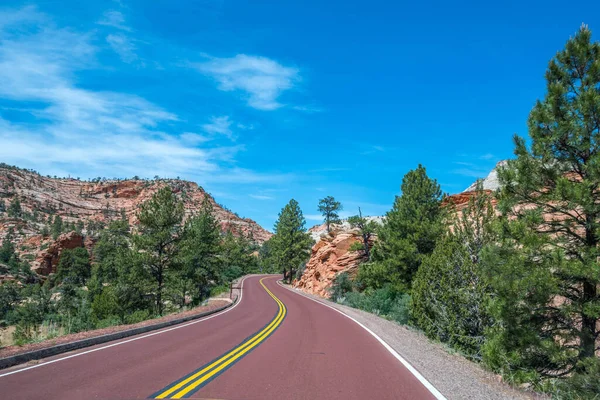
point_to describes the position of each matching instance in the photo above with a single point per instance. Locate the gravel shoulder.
(453, 375)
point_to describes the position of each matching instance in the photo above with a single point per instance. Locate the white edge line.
(389, 348)
(158, 332)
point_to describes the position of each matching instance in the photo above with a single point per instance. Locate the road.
(274, 344)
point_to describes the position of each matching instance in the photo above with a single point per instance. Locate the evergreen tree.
(291, 244)
(200, 251)
(2, 206)
(545, 270)
(56, 227)
(108, 251)
(450, 293)
(15, 210)
(160, 232)
(74, 266)
(329, 207)
(409, 233)
(367, 230)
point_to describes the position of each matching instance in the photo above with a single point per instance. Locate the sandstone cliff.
(330, 256)
(90, 203)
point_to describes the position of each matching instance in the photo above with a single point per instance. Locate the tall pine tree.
(409, 233)
(291, 244)
(160, 232)
(545, 270)
(329, 207)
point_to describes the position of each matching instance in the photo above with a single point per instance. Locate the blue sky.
(260, 102)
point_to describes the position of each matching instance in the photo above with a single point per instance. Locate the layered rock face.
(97, 202)
(330, 256)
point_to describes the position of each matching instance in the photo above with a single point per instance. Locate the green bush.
(341, 285)
(137, 316)
(384, 302)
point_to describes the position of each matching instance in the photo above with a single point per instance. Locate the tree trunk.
(159, 305)
(588, 324)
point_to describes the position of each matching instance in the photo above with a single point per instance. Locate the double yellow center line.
(193, 382)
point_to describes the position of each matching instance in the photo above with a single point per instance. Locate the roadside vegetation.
(164, 264)
(515, 286)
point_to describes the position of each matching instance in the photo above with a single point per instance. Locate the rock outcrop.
(330, 256)
(47, 260)
(90, 203)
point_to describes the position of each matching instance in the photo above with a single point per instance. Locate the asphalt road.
(274, 344)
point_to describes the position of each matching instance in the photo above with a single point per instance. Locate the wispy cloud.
(220, 126)
(123, 46)
(261, 79)
(308, 109)
(74, 129)
(261, 197)
(114, 19)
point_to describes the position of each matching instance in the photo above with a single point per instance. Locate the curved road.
(274, 344)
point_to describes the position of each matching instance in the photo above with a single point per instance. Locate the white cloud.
(123, 46)
(114, 19)
(308, 109)
(88, 132)
(261, 79)
(220, 126)
(260, 197)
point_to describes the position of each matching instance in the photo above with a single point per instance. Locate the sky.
(260, 102)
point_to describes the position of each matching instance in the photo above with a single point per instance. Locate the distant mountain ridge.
(93, 203)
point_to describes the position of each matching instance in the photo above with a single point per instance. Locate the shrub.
(341, 285)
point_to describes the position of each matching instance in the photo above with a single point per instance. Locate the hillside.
(87, 206)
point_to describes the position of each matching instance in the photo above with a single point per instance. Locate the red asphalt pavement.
(316, 353)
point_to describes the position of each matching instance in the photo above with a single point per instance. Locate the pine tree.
(200, 250)
(160, 232)
(74, 266)
(366, 229)
(409, 233)
(56, 227)
(329, 207)
(291, 244)
(450, 292)
(2, 206)
(545, 270)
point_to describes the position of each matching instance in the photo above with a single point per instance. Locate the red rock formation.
(330, 256)
(101, 201)
(48, 259)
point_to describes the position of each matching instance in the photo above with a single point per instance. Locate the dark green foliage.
(74, 266)
(14, 210)
(409, 233)
(366, 229)
(385, 302)
(2, 206)
(341, 285)
(200, 255)
(160, 232)
(31, 313)
(329, 207)
(57, 227)
(10, 297)
(545, 269)
(291, 244)
(450, 292)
